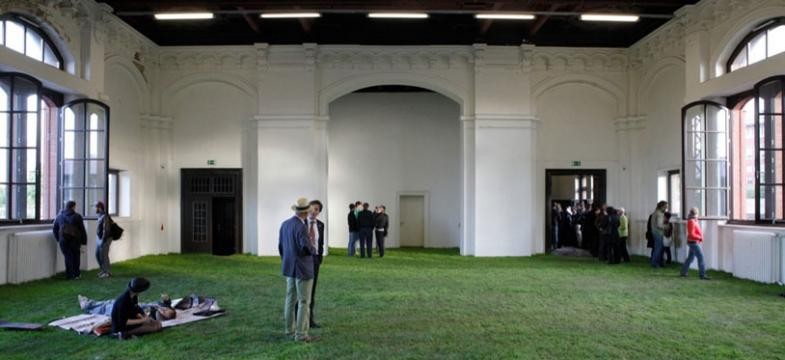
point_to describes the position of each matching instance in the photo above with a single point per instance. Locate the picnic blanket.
(86, 323)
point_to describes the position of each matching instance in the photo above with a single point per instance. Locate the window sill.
(17, 226)
(751, 223)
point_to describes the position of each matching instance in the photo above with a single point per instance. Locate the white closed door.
(412, 220)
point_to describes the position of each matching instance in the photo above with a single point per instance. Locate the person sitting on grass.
(128, 318)
(162, 310)
(694, 240)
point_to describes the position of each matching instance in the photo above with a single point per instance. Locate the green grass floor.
(422, 304)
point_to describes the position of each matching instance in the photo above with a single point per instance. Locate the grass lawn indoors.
(422, 304)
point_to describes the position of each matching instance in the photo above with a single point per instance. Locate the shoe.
(315, 325)
(683, 275)
(705, 278)
(104, 275)
(307, 339)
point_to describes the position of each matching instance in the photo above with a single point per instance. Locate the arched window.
(770, 147)
(766, 40)
(25, 36)
(705, 159)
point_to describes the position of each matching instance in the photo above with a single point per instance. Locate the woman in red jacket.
(694, 239)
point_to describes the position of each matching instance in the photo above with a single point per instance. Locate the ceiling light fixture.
(398, 15)
(609, 17)
(184, 16)
(505, 16)
(289, 15)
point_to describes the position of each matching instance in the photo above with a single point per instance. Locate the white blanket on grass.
(85, 323)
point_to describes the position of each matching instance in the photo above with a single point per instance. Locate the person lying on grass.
(161, 310)
(128, 318)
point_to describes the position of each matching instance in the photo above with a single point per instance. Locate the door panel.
(211, 211)
(412, 221)
(224, 226)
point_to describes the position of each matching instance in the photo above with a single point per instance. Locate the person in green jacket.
(624, 233)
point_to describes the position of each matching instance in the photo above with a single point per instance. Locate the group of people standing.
(363, 225)
(601, 229)
(70, 234)
(660, 230)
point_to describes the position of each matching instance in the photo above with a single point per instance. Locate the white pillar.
(467, 167)
(157, 205)
(505, 158)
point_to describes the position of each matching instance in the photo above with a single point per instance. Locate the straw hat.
(302, 205)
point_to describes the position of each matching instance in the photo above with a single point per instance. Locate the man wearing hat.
(297, 249)
(127, 317)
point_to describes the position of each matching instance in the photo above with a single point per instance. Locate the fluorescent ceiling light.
(184, 16)
(289, 15)
(398, 15)
(609, 17)
(505, 16)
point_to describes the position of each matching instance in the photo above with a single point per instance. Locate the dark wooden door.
(211, 211)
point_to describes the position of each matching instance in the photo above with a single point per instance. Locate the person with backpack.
(69, 231)
(103, 240)
(656, 228)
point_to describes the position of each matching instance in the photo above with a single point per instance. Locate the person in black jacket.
(353, 229)
(614, 253)
(70, 234)
(381, 222)
(365, 222)
(127, 317)
(313, 221)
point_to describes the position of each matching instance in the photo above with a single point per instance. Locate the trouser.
(104, 307)
(656, 253)
(146, 328)
(614, 257)
(623, 253)
(317, 263)
(72, 256)
(604, 246)
(555, 240)
(380, 235)
(353, 236)
(695, 252)
(366, 242)
(102, 254)
(298, 293)
(666, 253)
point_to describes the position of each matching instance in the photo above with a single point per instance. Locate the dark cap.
(138, 285)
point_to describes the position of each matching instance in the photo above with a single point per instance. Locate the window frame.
(764, 27)
(61, 156)
(31, 25)
(684, 190)
(669, 174)
(756, 98)
(116, 174)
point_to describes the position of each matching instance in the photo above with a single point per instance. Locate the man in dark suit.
(365, 220)
(382, 223)
(353, 229)
(70, 233)
(313, 221)
(297, 249)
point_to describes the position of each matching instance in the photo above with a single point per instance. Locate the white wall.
(381, 144)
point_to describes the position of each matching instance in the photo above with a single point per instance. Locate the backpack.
(69, 232)
(649, 235)
(115, 231)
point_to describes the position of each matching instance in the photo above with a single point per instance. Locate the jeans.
(380, 235)
(353, 236)
(656, 253)
(102, 254)
(366, 242)
(555, 240)
(695, 252)
(72, 255)
(104, 307)
(298, 293)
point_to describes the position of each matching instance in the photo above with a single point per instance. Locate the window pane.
(94, 195)
(695, 198)
(73, 142)
(740, 61)
(770, 167)
(695, 146)
(718, 118)
(694, 173)
(49, 56)
(5, 89)
(771, 202)
(776, 40)
(675, 198)
(35, 46)
(112, 187)
(4, 202)
(4, 123)
(716, 203)
(770, 97)
(69, 119)
(23, 133)
(73, 173)
(3, 166)
(96, 145)
(716, 174)
(96, 174)
(25, 93)
(694, 118)
(23, 201)
(75, 195)
(15, 36)
(24, 161)
(757, 48)
(97, 116)
(2, 37)
(717, 146)
(770, 131)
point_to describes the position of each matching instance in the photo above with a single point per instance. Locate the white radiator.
(32, 255)
(757, 255)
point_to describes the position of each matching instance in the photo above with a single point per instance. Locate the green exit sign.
(576, 163)
(211, 162)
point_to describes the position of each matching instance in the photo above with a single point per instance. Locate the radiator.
(32, 255)
(757, 255)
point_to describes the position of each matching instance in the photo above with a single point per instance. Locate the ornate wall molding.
(628, 123)
(577, 59)
(394, 57)
(208, 57)
(160, 122)
(286, 121)
(506, 121)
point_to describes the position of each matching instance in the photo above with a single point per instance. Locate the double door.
(211, 211)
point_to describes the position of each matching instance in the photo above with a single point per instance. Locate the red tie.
(311, 233)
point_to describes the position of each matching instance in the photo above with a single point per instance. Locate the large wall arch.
(605, 86)
(172, 90)
(353, 83)
(139, 82)
(741, 27)
(652, 74)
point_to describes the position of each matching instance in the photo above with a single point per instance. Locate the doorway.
(211, 211)
(412, 220)
(571, 188)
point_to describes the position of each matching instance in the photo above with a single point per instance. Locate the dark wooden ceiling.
(346, 22)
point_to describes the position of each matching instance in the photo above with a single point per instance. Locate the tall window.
(743, 160)
(705, 159)
(769, 149)
(24, 36)
(766, 40)
(84, 152)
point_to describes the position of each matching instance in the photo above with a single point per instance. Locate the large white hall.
(202, 145)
